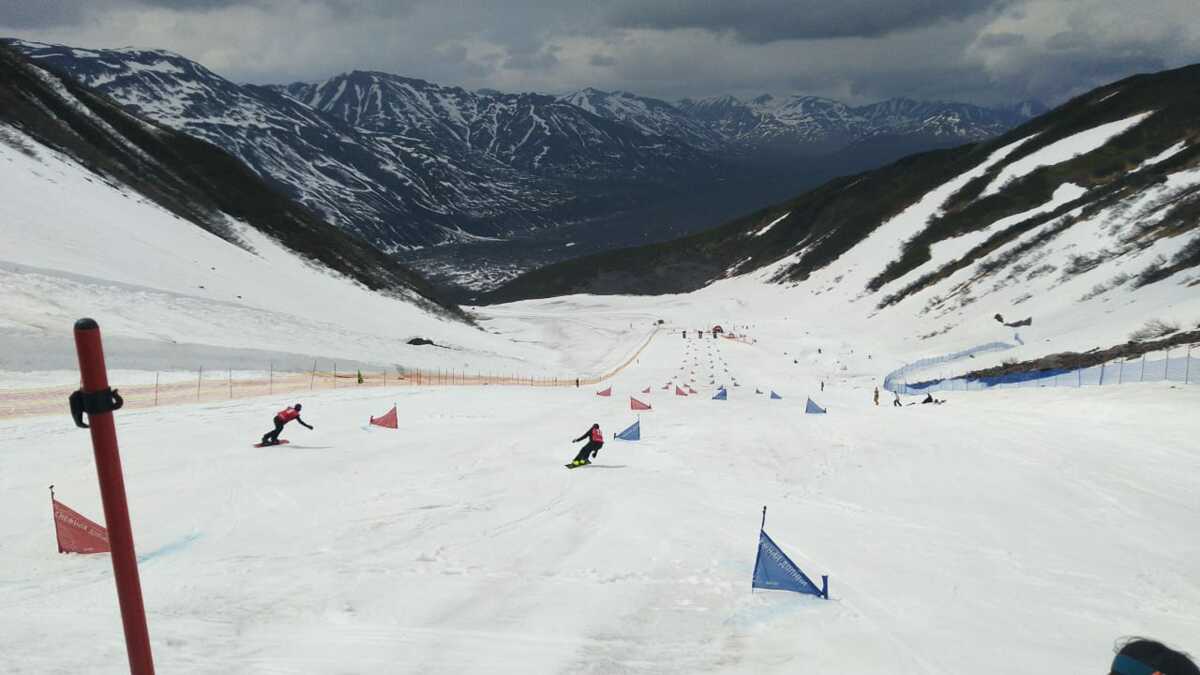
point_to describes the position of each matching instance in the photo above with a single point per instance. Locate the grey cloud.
(1067, 40)
(984, 51)
(187, 5)
(370, 8)
(543, 59)
(771, 20)
(1061, 76)
(41, 13)
(453, 53)
(995, 40)
(54, 13)
(1094, 42)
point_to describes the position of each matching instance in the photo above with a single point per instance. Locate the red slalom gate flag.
(77, 534)
(606, 392)
(680, 392)
(635, 404)
(388, 420)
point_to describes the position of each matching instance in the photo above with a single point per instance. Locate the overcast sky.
(984, 51)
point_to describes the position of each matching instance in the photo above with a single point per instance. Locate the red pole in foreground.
(98, 402)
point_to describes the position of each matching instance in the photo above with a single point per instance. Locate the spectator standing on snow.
(282, 418)
(876, 397)
(595, 442)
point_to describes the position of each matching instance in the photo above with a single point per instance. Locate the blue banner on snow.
(775, 571)
(633, 433)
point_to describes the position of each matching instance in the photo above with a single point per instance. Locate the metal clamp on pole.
(92, 403)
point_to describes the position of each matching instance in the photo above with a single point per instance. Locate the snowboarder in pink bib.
(595, 442)
(282, 418)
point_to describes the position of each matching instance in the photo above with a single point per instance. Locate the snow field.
(1000, 532)
(72, 245)
(1064, 150)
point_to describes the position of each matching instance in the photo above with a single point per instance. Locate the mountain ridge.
(192, 179)
(1066, 173)
(424, 170)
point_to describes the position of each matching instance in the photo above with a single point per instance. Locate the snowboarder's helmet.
(297, 406)
(595, 425)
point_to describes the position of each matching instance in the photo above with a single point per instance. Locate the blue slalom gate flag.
(633, 433)
(775, 571)
(775, 396)
(813, 409)
(721, 395)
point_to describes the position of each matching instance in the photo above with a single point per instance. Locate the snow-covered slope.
(1089, 213)
(169, 241)
(74, 244)
(1013, 531)
(194, 181)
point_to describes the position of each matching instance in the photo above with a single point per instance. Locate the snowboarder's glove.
(594, 453)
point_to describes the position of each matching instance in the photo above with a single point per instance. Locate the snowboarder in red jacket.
(281, 418)
(595, 442)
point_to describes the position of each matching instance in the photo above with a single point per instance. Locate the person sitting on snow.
(281, 418)
(595, 442)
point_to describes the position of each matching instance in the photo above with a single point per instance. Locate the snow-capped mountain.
(1097, 201)
(411, 165)
(651, 116)
(811, 124)
(530, 133)
(957, 120)
(415, 165)
(350, 178)
(94, 190)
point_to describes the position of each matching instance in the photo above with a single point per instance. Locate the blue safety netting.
(1180, 364)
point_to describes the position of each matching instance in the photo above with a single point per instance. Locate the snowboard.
(260, 445)
(576, 466)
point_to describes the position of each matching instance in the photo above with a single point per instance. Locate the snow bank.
(1063, 150)
(73, 245)
(767, 228)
